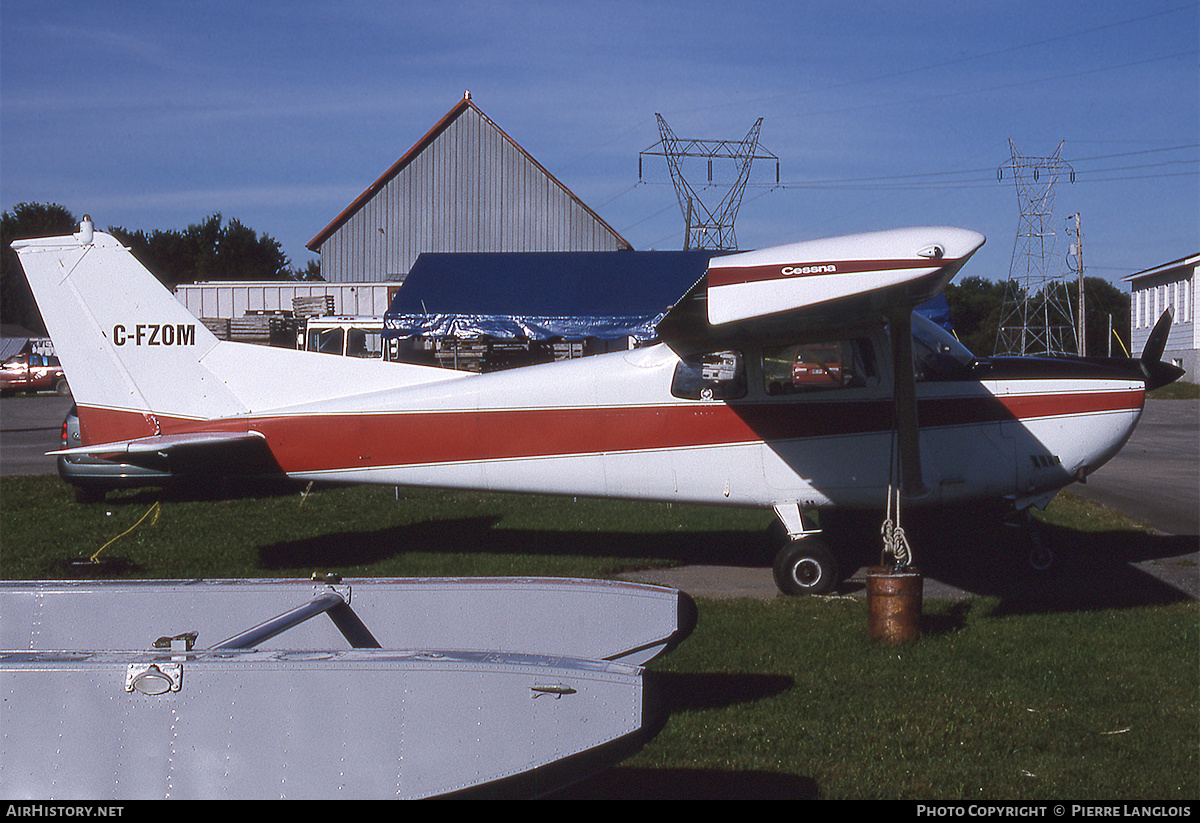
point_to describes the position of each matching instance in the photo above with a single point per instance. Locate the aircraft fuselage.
(615, 425)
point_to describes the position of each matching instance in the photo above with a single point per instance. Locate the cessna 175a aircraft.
(795, 378)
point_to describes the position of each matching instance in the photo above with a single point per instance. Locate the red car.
(32, 372)
(819, 364)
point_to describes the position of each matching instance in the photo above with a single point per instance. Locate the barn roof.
(462, 106)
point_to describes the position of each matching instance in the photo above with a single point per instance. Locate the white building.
(1171, 285)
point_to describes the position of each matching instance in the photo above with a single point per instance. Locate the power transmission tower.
(1036, 316)
(709, 226)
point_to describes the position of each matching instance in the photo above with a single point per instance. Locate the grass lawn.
(1003, 698)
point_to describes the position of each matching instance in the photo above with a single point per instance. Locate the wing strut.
(907, 426)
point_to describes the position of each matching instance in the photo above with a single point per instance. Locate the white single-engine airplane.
(795, 378)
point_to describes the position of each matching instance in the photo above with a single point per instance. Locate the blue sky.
(153, 115)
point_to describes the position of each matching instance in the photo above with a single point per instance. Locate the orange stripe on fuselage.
(342, 441)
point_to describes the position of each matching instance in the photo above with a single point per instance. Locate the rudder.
(130, 350)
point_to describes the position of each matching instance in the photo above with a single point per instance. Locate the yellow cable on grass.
(155, 509)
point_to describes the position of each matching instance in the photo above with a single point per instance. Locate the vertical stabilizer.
(111, 320)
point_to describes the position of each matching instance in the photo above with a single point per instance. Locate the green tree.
(207, 251)
(311, 271)
(26, 220)
(975, 306)
(1104, 302)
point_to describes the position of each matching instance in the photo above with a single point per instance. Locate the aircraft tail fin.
(130, 350)
(141, 365)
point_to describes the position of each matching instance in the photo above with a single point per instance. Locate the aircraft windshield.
(937, 354)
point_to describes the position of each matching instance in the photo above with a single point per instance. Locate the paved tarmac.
(30, 426)
(1155, 478)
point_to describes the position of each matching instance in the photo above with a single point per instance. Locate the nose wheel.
(1030, 537)
(1041, 557)
(806, 566)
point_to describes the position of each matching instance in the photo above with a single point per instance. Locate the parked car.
(93, 477)
(32, 372)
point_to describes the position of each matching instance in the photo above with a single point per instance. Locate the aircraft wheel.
(1041, 556)
(1040, 553)
(806, 566)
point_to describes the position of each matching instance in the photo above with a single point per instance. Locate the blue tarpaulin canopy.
(938, 310)
(541, 295)
(551, 295)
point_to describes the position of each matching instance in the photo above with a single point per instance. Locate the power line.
(943, 65)
(986, 177)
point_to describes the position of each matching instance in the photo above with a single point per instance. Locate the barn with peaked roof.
(466, 186)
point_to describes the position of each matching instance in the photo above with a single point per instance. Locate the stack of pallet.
(251, 328)
(219, 326)
(264, 328)
(319, 306)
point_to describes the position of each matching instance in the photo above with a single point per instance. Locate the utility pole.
(1077, 253)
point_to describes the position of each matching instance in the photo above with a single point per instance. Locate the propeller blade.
(1156, 372)
(1157, 341)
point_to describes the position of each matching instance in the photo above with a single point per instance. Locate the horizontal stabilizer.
(209, 453)
(166, 443)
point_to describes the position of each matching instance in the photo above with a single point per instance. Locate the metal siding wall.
(470, 190)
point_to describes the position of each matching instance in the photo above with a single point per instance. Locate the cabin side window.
(710, 376)
(818, 366)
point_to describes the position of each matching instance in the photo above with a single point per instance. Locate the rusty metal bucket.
(894, 605)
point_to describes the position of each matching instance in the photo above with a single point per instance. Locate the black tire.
(1029, 537)
(806, 566)
(61, 388)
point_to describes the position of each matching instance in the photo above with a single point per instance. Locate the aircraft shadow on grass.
(1091, 570)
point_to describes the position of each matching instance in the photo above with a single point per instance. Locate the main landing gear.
(806, 566)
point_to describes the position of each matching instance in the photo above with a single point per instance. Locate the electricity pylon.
(709, 226)
(1036, 316)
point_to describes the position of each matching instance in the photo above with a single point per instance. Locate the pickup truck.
(31, 373)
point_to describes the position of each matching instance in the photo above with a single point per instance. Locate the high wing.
(831, 283)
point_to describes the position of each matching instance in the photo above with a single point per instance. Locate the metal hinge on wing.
(556, 689)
